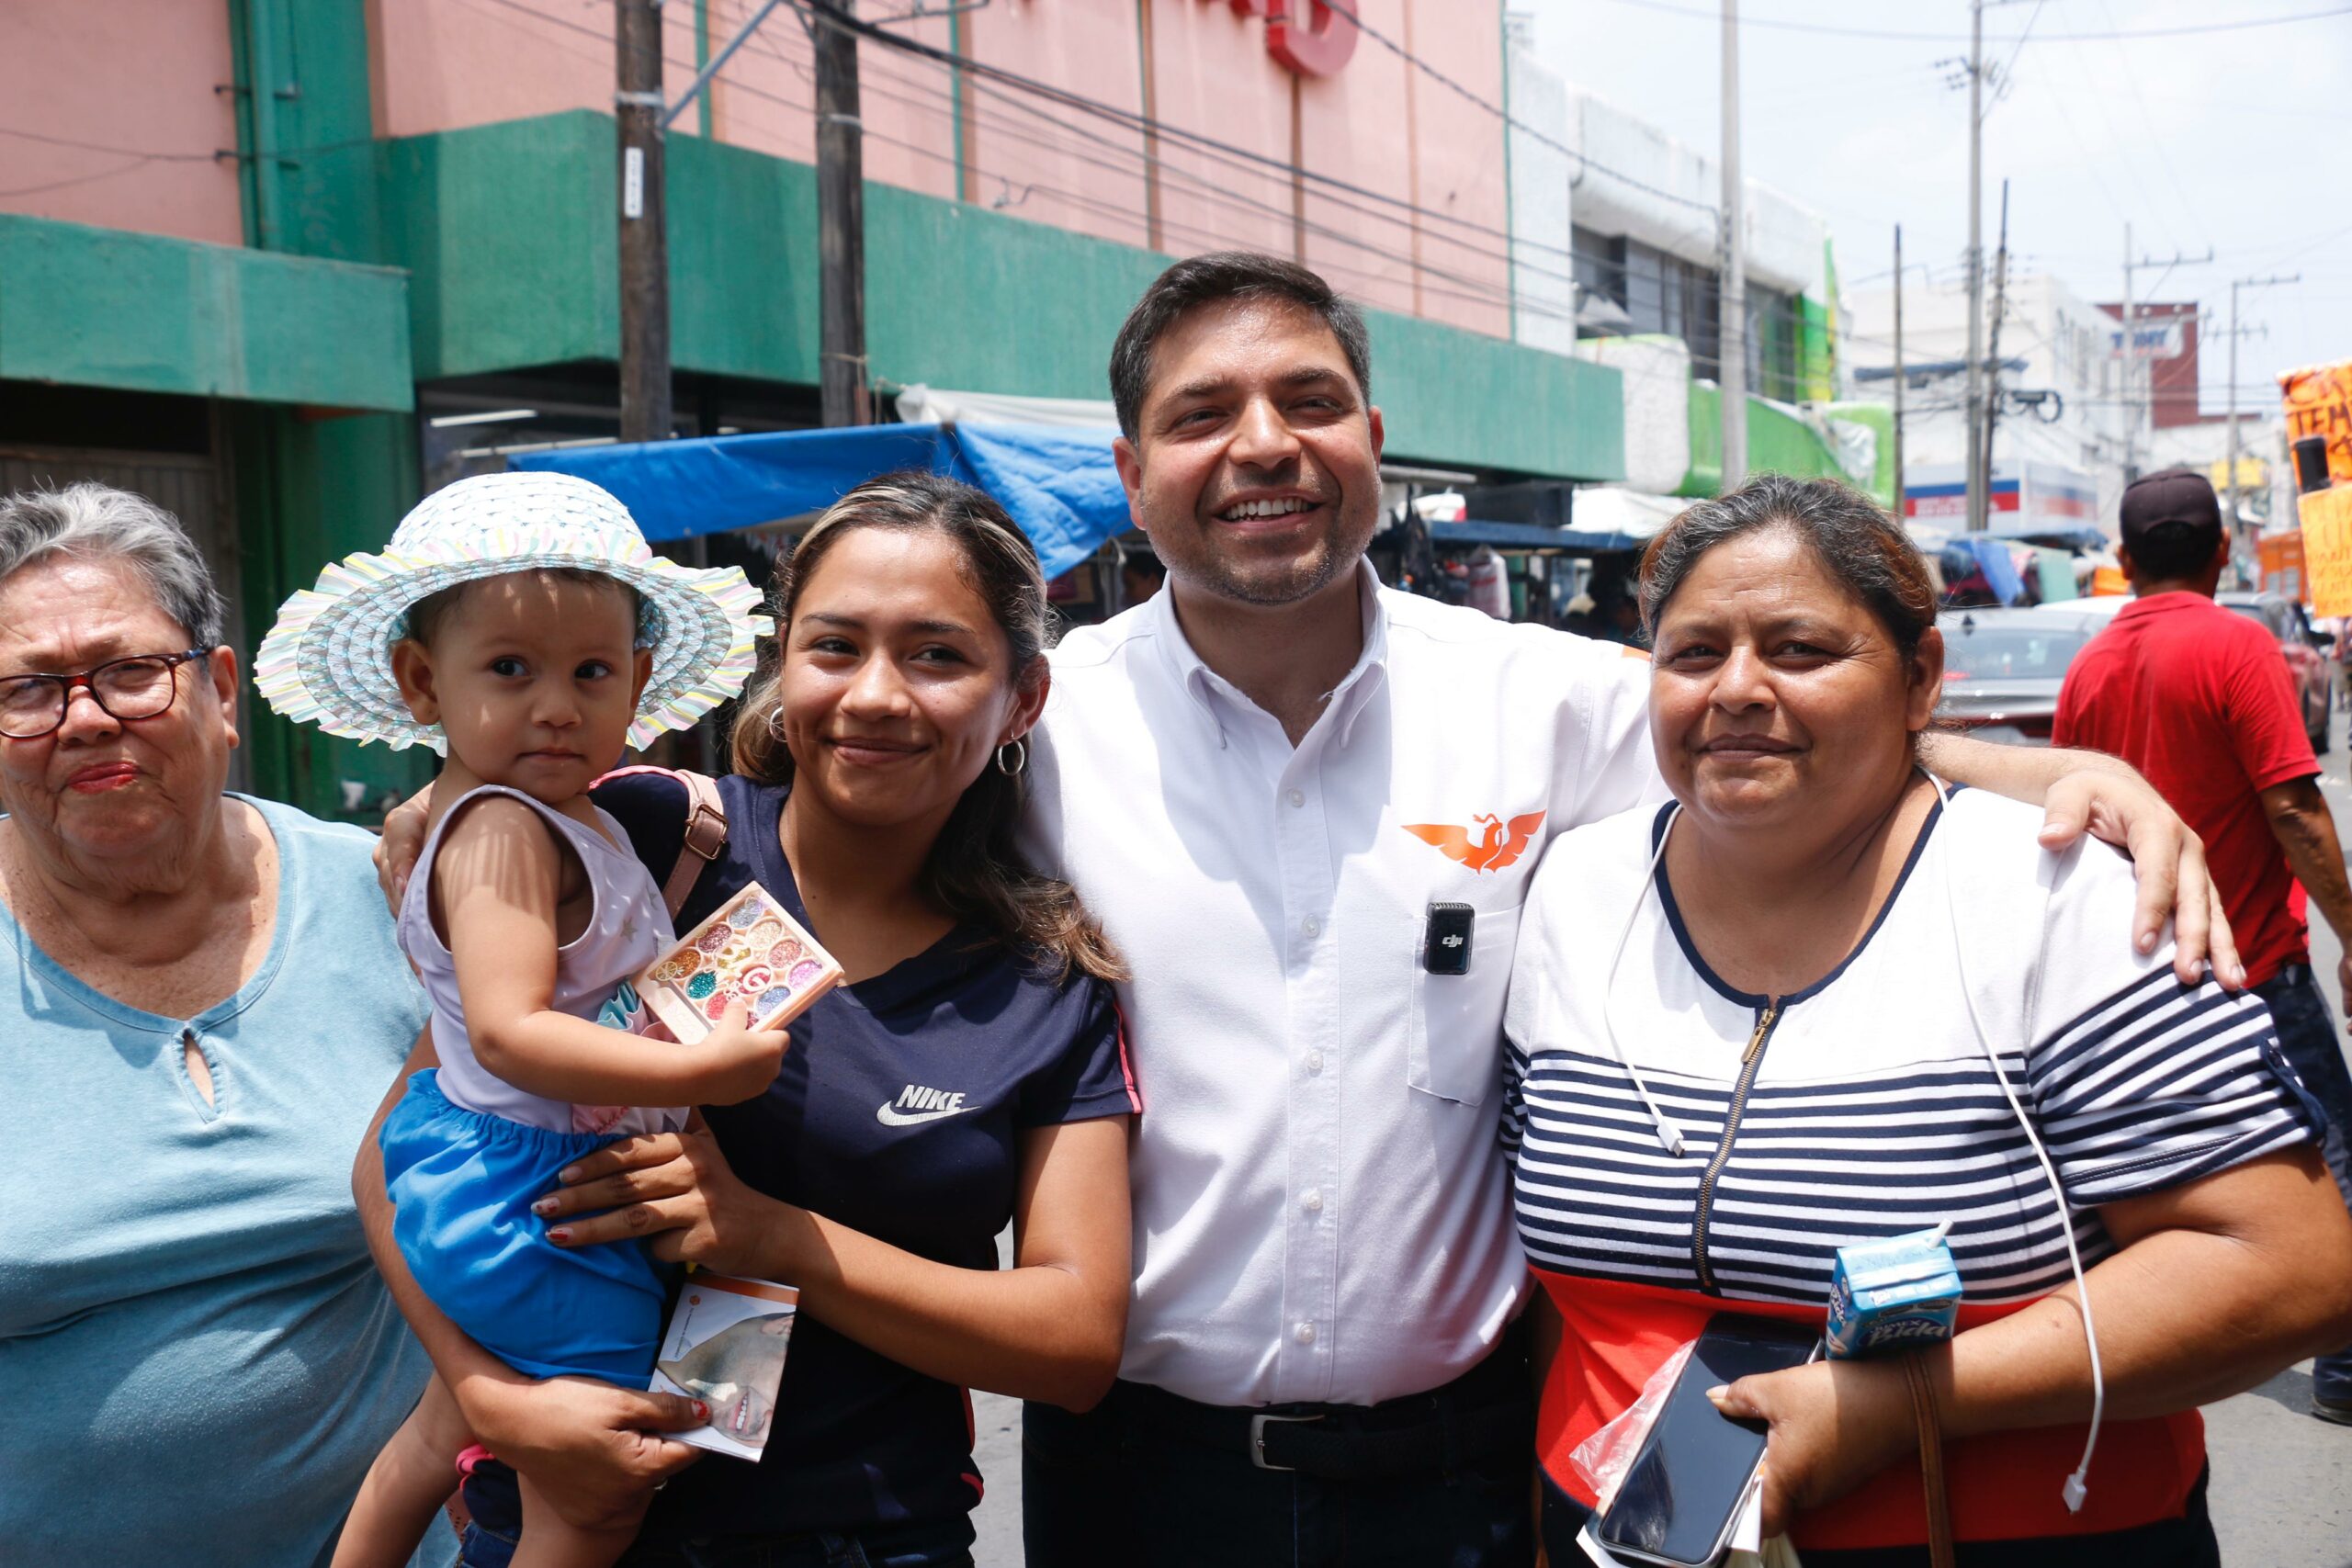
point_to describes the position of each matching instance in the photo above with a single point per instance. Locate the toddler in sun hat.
(518, 622)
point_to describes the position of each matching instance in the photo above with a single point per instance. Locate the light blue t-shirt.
(198, 1361)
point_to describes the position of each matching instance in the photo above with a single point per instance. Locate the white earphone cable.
(1668, 1135)
(2077, 1485)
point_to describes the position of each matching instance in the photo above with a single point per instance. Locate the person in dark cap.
(2197, 699)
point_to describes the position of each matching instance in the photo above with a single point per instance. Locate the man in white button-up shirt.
(1306, 809)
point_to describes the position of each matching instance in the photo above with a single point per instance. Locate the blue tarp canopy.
(1057, 481)
(1987, 555)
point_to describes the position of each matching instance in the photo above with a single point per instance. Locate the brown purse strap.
(1932, 1461)
(706, 837)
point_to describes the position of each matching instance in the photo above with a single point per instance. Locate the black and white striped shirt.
(1865, 1105)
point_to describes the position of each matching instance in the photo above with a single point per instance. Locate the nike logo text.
(917, 1103)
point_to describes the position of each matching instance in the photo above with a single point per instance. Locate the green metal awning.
(88, 307)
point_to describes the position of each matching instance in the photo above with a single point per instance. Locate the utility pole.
(645, 249)
(1993, 355)
(841, 218)
(1977, 266)
(2131, 342)
(1899, 504)
(2236, 284)
(1733, 310)
(2131, 363)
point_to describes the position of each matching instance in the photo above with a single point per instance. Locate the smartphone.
(1681, 1497)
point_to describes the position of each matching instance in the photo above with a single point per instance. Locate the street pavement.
(2282, 1480)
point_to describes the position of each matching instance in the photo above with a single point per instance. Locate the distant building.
(2063, 411)
(1617, 246)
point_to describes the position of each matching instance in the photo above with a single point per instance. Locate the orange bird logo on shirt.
(1497, 845)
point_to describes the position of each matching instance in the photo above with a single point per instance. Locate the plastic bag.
(1604, 1459)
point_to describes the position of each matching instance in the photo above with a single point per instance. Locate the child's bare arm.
(499, 877)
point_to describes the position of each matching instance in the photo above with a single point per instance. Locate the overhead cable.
(1666, 7)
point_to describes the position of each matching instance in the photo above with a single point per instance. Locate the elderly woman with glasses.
(203, 1001)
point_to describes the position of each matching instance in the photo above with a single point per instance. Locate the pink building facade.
(301, 251)
(156, 153)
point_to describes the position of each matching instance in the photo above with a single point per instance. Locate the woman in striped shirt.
(1762, 1022)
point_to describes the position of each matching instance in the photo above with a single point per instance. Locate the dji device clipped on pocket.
(1682, 1495)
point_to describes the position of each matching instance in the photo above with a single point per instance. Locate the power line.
(1472, 290)
(1495, 294)
(141, 154)
(2155, 142)
(136, 163)
(1208, 191)
(1434, 75)
(2097, 92)
(1133, 120)
(1667, 8)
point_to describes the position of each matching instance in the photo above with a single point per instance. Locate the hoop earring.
(1019, 749)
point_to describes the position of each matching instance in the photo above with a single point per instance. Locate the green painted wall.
(1457, 398)
(1776, 443)
(310, 491)
(308, 488)
(958, 296)
(1880, 418)
(1817, 367)
(742, 260)
(1816, 371)
(1706, 416)
(508, 230)
(140, 313)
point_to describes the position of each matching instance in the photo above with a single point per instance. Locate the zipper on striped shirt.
(1749, 1060)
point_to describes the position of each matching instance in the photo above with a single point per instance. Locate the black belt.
(1488, 1411)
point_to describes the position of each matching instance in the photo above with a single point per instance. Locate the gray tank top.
(628, 928)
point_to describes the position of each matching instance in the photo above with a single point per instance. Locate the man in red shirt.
(2197, 699)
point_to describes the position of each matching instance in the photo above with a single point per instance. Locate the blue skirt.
(463, 1184)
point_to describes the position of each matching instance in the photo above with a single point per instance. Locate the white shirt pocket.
(1455, 1046)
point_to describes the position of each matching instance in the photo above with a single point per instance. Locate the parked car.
(2305, 651)
(2003, 668)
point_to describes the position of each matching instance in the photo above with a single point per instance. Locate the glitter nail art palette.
(749, 949)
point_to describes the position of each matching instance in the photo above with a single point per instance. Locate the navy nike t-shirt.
(895, 1113)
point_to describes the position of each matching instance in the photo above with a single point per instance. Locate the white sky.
(2237, 141)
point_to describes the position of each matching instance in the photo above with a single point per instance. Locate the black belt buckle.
(1258, 1437)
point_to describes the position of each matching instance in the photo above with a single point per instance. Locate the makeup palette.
(749, 949)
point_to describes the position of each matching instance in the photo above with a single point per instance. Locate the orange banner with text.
(2327, 549)
(2318, 401)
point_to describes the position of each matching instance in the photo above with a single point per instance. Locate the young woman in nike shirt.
(971, 1072)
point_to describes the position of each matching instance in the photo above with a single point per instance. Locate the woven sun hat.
(328, 661)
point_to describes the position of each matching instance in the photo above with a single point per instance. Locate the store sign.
(2160, 339)
(2318, 401)
(1310, 38)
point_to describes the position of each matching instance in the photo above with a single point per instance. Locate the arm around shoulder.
(2091, 792)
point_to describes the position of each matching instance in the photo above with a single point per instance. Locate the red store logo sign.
(1310, 38)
